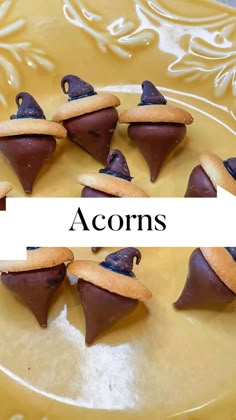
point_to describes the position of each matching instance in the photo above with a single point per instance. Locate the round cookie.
(85, 105)
(27, 125)
(156, 127)
(115, 187)
(89, 117)
(156, 114)
(115, 282)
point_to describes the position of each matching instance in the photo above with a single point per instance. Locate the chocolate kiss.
(156, 141)
(151, 95)
(117, 163)
(27, 107)
(2, 203)
(102, 308)
(27, 154)
(76, 87)
(199, 184)
(122, 260)
(203, 288)
(36, 288)
(93, 131)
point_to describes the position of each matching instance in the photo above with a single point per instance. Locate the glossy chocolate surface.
(75, 87)
(27, 154)
(199, 184)
(156, 141)
(203, 288)
(230, 165)
(2, 203)
(116, 165)
(93, 193)
(93, 131)
(36, 288)
(151, 95)
(123, 259)
(28, 107)
(102, 308)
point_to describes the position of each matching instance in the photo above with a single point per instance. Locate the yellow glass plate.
(158, 363)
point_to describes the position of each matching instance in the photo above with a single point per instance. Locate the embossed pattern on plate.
(203, 47)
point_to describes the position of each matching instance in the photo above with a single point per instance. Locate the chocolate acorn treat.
(211, 172)
(108, 291)
(5, 188)
(211, 280)
(27, 140)
(112, 181)
(36, 280)
(156, 127)
(89, 117)
(95, 249)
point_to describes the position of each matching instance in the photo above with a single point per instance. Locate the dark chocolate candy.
(93, 131)
(203, 288)
(102, 308)
(75, 87)
(93, 193)
(232, 251)
(2, 203)
(151, 95)
(156, 141)
(36, 288)
(199, 184)
(27, 154)
(95, 249)
(28, 107)
(116, 165)
(122, 260)
(230, 165)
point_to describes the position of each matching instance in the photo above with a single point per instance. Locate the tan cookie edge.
(156, 113)
(109, 184)
(114, 282)
(222, 264)
(39, 258)
(32, 126)
(85, 105)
